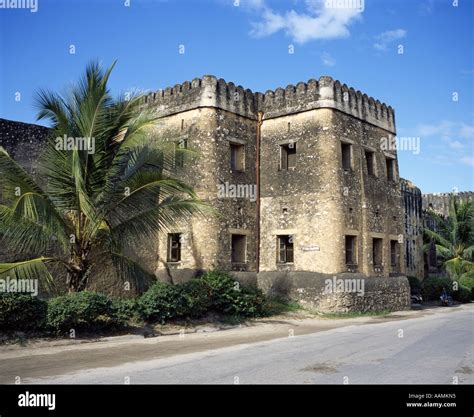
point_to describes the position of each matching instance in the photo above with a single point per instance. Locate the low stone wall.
(342, 293)
(338, 293)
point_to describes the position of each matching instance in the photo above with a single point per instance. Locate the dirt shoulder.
(48, 358)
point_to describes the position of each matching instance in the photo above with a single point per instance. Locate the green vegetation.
(21, 312)
(467, 281)
(84, 311)
(454, 239)
(105, 183)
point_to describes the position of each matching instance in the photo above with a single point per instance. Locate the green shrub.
(221, 290)
(463, 294)
(415, 284)
(433, 287)
(214, 291)
(247, 302)
(81, 311)
(227, 296)
(467, 280)
(21, 312)
(197, 298)
(161, 302)
(124, 310)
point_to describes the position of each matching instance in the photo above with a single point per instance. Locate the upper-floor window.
(346, 153)
(178, 152)
(174, 247)
(285, 249)
(288, 156)
(390, 162)
(237, 157)
(370, 161)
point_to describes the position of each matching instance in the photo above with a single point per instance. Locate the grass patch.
(355, 314)
(275, 306)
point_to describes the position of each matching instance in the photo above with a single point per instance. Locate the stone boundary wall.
(440, 201)
(380, 293)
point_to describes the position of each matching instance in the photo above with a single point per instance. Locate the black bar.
(317, 400)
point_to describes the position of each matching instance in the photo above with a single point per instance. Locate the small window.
(237, 157)
(346, 151)
(285, 249)
(178, 153)
(390, 168)
(288, 156)
(239, 243)
(377, 246)
(351, 257)
(370, 160)
(174, 247)
(394, 253)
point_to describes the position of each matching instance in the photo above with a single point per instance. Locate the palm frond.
(29, 269)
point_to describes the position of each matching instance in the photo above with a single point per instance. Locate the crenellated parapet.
(327, 93)
(209, 91)
(439, 202)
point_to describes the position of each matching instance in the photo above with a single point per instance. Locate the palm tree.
(454, 237)
(104, 183)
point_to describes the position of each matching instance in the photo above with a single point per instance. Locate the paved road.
(431, 349)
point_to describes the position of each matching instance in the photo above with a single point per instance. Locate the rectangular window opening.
(346, 152)
(390, 169)
(237, 157)
(350, 247)
(174, 247)
(288, 156)
(285, 249)
(394, 253)
(370, 159)
(179, 153)
(238, 250)
(377, 247)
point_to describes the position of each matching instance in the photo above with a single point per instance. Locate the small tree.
(103, 185)
(454, 237)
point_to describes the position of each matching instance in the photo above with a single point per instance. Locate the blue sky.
(248, 42)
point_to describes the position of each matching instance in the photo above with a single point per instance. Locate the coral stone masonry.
(305, 185)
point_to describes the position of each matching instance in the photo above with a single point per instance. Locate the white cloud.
(316, 22)
(466, 131)
(455, 144)
(327, 59)
(386, 38)
(446, 129)
(468, 160)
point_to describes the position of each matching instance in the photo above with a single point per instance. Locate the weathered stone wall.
(23, 141)
(315, 290)
(304, 201)
(412, 204)
(439, 202)
(370, 203)
(206, 240)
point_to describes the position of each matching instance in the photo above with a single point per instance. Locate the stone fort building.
(304, 183)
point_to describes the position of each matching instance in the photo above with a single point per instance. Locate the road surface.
(437, 348)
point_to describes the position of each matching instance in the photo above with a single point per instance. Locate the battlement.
(209, 91)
